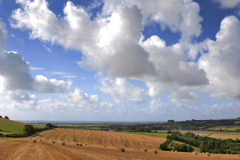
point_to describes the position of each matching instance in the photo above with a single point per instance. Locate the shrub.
(190, 148)
(28, 130)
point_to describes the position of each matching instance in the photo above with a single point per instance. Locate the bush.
(15, 135)
(28, 130)
(190, 148)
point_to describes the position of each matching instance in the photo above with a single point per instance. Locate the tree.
(209, 146)
(6, 117)
(0, 116)
(28, 129)
(49, 125)
(203, 146)
(190, 148)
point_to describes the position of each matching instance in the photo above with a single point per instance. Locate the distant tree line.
(183, 125)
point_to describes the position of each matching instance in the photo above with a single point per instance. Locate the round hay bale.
(34, 141)
(155, 151)
(77, 144)
(63, 143)
(207, 154)
(195, 153)
(85, 143)
(104, 145)
(176, 151)
(122, 149)
(40, 140)
(116, 146)
(145, 149)
(220, 153)
(30, 138)
(80, 144)
(172, 150)
(53, 142)
(134, 148)
(138, 148)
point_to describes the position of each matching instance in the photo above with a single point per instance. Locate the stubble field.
(24, 148)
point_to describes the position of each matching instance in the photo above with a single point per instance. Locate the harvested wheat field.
(24, 148)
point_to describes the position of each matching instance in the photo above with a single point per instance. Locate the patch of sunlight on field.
(233, 127)
(195, 148)
(162, 135)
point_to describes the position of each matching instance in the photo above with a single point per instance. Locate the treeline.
(192, 125)
(206, 144)
(128, 127)
(30, 130)
(183, 125)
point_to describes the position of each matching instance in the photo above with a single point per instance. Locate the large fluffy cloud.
(221, 62)
(175, 14)
(110, 42)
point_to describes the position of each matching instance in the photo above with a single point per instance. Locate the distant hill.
(13, 127)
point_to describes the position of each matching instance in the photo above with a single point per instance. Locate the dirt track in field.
(24, 148)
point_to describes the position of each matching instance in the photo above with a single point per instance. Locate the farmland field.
(218, 128)
(212, 134)
(233, 127)
(13, 127)
(162, 135)
(24, 148)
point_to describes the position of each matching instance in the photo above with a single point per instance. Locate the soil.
(24, 148)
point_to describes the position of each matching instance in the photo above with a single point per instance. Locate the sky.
(121, 60)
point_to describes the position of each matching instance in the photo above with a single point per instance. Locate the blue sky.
(131, 60)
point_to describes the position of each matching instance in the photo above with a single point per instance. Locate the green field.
(195, 148)
(233, 127)
(237, 122)
(13, 127)
(162, 135)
